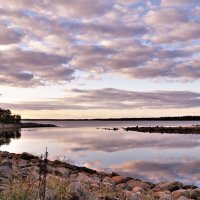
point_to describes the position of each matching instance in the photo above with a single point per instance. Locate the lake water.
(150, 157)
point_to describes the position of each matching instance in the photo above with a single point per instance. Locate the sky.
(100, 58)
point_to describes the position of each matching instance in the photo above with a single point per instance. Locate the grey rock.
(108, 181)
(182, 198)
(124, 186)
(136, 183)
(6, 172)
(134, 196)
(22, 163)
(137, 189)
(62, 172)
(27, 156)
(166, 197)
(82, 177)
(160, 194)
(6, 162)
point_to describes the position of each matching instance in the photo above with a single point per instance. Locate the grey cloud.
(183, 34)
(82, 8)
(8, 36)
(35, 67)
(178, 2)
(137, 61)
(63, 8)
(113, 98)
(23, 76)
(110, 98)
(129, 1)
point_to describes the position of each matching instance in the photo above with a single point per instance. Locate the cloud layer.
(44, 42)
(110, 98)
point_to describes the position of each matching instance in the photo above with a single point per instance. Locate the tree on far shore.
(7, 117)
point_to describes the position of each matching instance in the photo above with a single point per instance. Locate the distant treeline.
(6, 117)
(179, 118)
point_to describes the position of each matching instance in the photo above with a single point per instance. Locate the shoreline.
(91, 182)
(9, 127)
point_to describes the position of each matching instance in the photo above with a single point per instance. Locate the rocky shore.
(161, 129)
(80, 183)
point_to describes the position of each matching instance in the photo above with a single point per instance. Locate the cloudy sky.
(100, 58)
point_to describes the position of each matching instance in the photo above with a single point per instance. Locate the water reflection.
(113, 142)
(150, 157)
(186, 170)
(7, 135)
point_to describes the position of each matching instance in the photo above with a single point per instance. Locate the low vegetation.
(18, 189)
(57, 189)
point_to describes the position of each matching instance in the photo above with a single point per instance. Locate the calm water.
(150, 157)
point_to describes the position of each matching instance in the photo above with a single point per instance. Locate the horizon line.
(189, 117)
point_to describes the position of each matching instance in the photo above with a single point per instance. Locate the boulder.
(73, 176)
(173, 186)
(143, 185)
(95, 180)
(108, 181)
(120, 179)
(60, 171)
(182, 198)
(194, 194)
(6, 162)
(80, 191)
(82, 177)
(166, 197)
(123, 186)
(137, 190)
(34, 174)
(49, 169)
(6, 171)
(27, 156)
(134, 196)
(22, 163)
(189, 187)
(179, 193)
(161, 194)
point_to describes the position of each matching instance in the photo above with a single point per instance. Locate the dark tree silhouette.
(6, 117)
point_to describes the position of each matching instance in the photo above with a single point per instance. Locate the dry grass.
(18, 189)
(58, 189)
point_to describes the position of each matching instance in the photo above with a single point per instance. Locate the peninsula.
(9, 121)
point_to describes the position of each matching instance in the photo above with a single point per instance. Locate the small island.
(164, 129)
(195, 129)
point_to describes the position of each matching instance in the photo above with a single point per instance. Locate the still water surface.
(150, 157)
